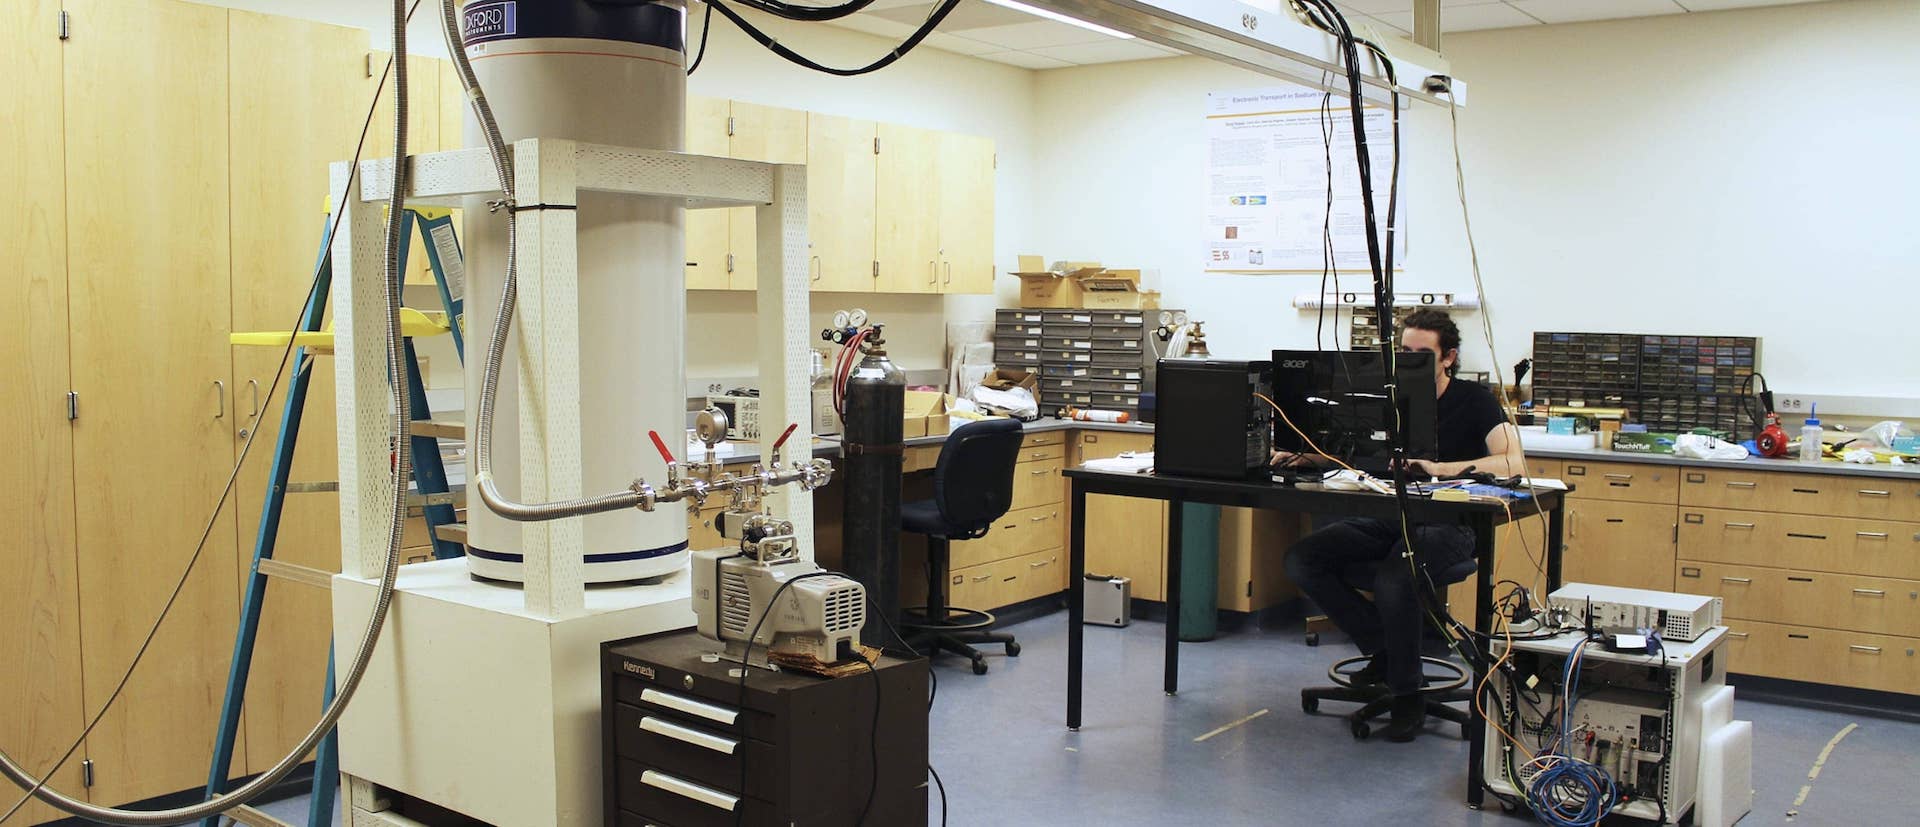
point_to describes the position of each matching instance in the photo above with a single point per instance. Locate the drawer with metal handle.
(1621, 481)
(694, 752)
(1840, 545)
(1878, 605)
(703, 702)
(1887, 663)
(1801, 493)
(1122, 373)
(650, 792)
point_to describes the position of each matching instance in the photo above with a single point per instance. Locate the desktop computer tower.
(1209, 422)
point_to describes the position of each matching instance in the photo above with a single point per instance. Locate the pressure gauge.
(841, 319)
(1166, 318)
(711, 426)
(858, 318)
(1179, 318)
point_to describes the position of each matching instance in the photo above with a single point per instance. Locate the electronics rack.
(1626, 689)
(1671, 383)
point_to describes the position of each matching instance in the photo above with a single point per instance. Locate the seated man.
(1474, 433)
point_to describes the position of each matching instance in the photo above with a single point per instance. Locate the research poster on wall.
(1267, 183)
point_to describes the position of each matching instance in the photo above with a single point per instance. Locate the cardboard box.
(1057, 287)
(925, 414)
(1644, 442)
(1008, 379)
(1121, 300)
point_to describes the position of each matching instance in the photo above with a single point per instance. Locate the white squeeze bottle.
(1810, 437)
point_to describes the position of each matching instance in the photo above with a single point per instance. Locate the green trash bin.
(1199, 572)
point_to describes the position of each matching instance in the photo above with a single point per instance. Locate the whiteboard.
(1266, 189)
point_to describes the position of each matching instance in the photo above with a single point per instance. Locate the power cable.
(933, 21)
(37, 787)
(706, 28)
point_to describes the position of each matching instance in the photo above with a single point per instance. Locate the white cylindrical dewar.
(607, 74)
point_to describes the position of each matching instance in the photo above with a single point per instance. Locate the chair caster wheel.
(1509, 809)
(1309, 705)
(1361, 730)
(1313, 638)
(1013, 649)
(979, 667)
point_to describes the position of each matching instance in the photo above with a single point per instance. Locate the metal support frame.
(550, 171)
(1426, 24)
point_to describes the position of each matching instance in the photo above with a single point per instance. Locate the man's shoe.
(1409, 717)
(1367, 676)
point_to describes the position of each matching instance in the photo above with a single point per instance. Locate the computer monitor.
(1340, 400)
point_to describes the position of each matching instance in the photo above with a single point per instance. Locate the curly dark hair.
(1439, 322)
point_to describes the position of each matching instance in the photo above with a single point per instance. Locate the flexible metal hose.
(503, 318)
(363, 656)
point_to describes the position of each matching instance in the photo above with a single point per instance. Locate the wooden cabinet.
(759, 133)
(840, 202)
(1253, 553)
(296, 100)
(907, 210)
(1623, 482)
(706, 230)
(1801, 493)
(1125, 536)
(966, 170)
(1827, 544)
(149, 306)
(40, 699)
(1806, 653)
(1873, 605)
(423, 129)
(1619, 544)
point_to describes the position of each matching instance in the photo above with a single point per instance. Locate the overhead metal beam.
(1273, 43)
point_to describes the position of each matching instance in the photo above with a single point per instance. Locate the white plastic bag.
(1015, 402)
(1701, 446)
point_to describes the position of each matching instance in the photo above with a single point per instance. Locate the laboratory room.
(898, 413)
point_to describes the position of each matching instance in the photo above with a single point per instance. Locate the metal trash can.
(1109, 600)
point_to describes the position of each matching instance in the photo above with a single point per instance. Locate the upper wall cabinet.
(890, 209)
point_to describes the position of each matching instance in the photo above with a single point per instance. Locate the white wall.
(1697, 173)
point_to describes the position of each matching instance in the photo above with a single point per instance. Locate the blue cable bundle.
(1566, 791)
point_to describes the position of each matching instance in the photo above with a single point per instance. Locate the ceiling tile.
(1718, 5)
(1026, 60)
(1403, 6)
(960, 45)
(1110, 51)
(1398, 23)
(1038, 34)
(971, 15)
(875, 26)
(1573, 11)
(1484, 16)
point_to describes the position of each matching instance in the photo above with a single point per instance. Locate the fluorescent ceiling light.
(1061, 18)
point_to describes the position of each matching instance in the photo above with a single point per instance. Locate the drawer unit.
(1017, 328)
(1801, 493)
(1106, 330)
(1068, 385)
(1035, 453)
(1122, 373)
(1006, 582)
(1116, 317)
(1016, 341)
(1017, 532)
(1067, 317)
(1836, 545)
(1022, 357)
(1041, 439)
(1065, 371)
(1069, 342)
(1886, 663)
(1122, 345)
(1037, 483)
(1018, 315)
(1546, 469)
(1120, 401)
(1115, 386)
(1879, 605)
(1071, 357)
(679, 732)
(1054, 401)
(1131, 361)
(1622, 482)
(1617, 544)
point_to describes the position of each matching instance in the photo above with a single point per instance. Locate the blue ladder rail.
(429, 477)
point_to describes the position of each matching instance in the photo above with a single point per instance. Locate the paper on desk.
(1130, 462)
(1543, 482)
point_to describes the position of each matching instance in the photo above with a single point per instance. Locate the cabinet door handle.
(688, 735)
(1038, 565)
(689, 790)
(1740, 525)
(253, 386)
(948, 279)
(1870, 592)
(1041, 519)
(1871, 535)
(1041, 471)
(1743, 485)
(1869, 492)
(1870, 650)
(933, 272)
(983, 578)
(1740, 635)
(220, 396)
(1799, 536)
(1039, 455)
(814, 265)
(1621, 477)
(1740, 580)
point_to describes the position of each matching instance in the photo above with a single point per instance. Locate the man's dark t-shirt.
(1467, 413)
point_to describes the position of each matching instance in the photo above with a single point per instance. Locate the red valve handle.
(657, 443)
(783, 436)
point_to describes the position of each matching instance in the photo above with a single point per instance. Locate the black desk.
(1482, 517)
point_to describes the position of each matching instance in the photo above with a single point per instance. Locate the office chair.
(1445, 682)
(972, 487)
